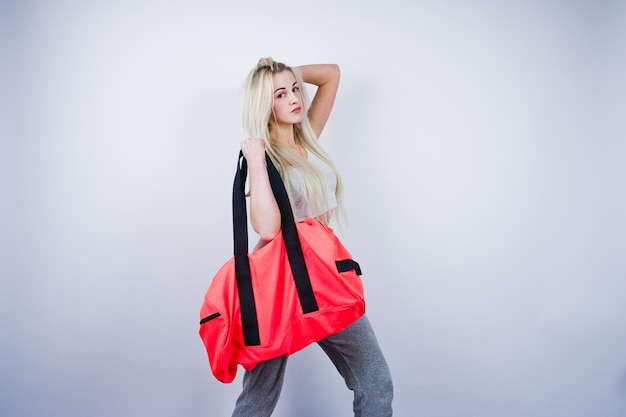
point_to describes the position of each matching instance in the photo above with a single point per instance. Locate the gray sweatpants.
(358, 358)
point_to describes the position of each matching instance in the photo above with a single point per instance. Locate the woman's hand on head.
(253, 149)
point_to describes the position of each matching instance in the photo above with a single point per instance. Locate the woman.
(278, 121)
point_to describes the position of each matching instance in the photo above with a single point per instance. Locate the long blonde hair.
(258, 105)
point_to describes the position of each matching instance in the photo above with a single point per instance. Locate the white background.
(483, 149)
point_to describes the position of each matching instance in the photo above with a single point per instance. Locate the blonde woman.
(278, 121)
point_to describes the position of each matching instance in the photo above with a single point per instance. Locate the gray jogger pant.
(356, 355)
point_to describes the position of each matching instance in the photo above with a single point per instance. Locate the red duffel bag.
(298, 289)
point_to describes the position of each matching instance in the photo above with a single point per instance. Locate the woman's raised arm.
(326, 78)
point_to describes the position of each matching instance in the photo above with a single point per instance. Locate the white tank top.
(298, 190)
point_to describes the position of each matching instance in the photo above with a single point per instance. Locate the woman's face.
(287, 99)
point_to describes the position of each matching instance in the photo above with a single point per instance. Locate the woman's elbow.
(268, 234)
(267, 230)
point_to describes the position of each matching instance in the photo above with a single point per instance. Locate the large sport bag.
(298, 289)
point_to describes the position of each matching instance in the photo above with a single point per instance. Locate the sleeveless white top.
(298, 190)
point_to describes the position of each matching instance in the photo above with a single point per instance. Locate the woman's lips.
(296, 110)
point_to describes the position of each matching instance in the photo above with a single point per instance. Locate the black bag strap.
(247, 304)
(291, 239)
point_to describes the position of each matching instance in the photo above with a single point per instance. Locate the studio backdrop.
(483, 152)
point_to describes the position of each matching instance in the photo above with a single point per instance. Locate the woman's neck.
(284, 136)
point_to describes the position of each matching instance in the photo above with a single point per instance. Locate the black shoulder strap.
(292, 245)
(249, 319)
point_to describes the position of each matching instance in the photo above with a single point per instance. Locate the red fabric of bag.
(283, 326)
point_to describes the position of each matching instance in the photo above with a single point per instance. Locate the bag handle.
(249, 319)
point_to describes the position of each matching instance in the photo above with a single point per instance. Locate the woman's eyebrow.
(283, 88)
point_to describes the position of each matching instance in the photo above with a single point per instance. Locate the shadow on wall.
(313, 387)
(621, 390)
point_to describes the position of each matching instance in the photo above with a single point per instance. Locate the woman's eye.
(296, 89)
(280, 95)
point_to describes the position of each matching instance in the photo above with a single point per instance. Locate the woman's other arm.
(264, 212)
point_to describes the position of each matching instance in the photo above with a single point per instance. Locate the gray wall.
(483, 149)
